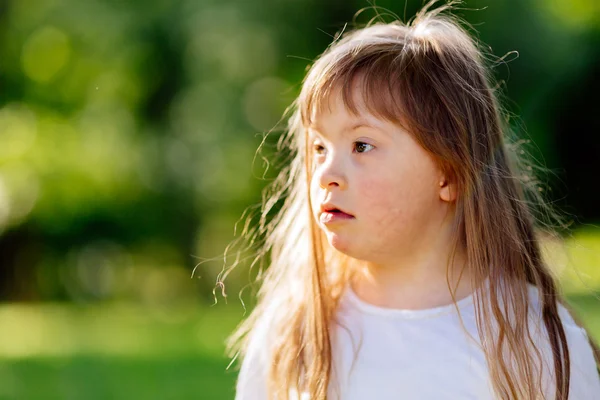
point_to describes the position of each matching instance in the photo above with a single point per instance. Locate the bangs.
(425, 79)
(372, 84)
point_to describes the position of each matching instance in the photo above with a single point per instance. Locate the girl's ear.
(447, 190)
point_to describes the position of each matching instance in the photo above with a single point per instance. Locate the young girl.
(404, 263)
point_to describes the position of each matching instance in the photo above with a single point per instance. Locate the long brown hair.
(430, 77)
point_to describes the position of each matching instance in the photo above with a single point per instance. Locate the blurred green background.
(127, 136)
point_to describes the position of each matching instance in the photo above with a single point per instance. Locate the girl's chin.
(342, 244)
(338, 242)
(351, 249)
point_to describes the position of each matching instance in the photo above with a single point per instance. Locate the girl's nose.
(331, 175)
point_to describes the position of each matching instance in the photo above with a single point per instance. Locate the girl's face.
(378, 174)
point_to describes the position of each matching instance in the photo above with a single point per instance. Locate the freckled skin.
(392, 187)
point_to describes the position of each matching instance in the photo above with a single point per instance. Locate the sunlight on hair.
(421, 30)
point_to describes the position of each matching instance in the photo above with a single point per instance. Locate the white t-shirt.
(417, 355)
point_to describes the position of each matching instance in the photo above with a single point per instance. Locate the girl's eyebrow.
(356, 125)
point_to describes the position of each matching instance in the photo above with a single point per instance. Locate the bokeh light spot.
(18, 128)
(264, 102)
(45, 53)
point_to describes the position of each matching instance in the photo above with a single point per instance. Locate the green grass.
(115, 351)
(124, 351)
(116, 377)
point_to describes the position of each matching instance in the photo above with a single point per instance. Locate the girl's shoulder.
(564, 314)
(252, 377)
(584, 380)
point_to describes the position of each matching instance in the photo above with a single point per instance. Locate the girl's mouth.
(334, 216)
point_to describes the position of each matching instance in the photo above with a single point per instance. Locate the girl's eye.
(359, 147)
(362, 147)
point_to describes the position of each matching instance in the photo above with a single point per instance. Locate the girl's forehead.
(336, 114)
(353, 99)
(350, 106)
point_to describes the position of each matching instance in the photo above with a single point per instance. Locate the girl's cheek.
(375, 195)
(314, 193)
(382, 199)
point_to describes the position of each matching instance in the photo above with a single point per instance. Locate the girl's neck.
(421, 285)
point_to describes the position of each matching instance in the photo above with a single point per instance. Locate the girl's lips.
(328, 217)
